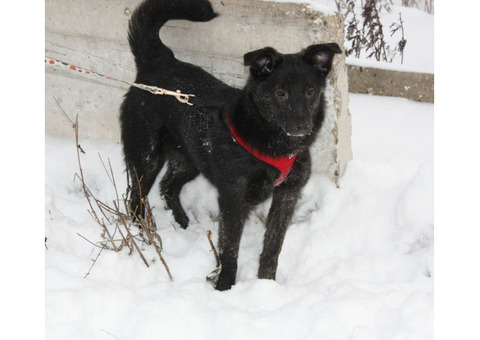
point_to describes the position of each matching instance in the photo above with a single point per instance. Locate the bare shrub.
(364, 31)
(119, 229)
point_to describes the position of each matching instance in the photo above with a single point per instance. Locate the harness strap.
(283, 164)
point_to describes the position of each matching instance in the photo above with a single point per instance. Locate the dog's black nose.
(302, 128)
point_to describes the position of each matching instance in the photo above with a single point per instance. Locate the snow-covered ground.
(357, 262)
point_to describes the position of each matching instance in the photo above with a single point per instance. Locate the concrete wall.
(92, 34)
(411, 85)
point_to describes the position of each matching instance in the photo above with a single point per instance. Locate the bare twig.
(88, 194)
(153, 238)
(403, 42)
(150, 228)
(135, 245)
(64, 113)
(209, 236)
(109, 334)
(94, 261)
(94, 244)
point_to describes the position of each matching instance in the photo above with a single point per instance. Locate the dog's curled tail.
(151, 15)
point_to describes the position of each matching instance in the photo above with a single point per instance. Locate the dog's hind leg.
(141, 183)
(144, 158)
(180, 171)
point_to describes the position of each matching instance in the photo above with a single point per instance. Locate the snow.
(357, 262)
(325, 6)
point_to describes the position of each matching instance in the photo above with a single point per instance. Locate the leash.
(181, 97)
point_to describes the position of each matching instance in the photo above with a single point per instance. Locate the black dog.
(255, 146)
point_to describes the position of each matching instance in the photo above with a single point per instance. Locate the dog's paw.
(181, 218)
(223, 286)
(225, 281)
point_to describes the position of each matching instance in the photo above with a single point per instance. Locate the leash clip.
(181, 97)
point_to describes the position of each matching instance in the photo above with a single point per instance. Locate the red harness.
(283, 164)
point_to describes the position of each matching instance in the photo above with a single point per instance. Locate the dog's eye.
(280, 93)
(310, 92)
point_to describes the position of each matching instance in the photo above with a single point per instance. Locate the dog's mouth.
(298, 130)
(297, 134)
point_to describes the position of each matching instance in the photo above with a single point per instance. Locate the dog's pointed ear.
(320, 56)
(262, 62)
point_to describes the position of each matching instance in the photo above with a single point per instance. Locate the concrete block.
(93, 35)
(411, 85)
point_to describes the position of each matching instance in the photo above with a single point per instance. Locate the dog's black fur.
(279, 112)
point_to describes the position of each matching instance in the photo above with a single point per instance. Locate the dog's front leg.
(279, 217)
(285, 197)
(233, 213)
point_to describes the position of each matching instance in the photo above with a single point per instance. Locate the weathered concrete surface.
(411, 85)
(93, 35)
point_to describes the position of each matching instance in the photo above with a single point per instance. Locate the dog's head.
(286, 90)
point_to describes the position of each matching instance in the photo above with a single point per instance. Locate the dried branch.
(353, 33)
(209, 236)
(94, 244)
(373, 31)
(94, 261)
(150, 228)
(394, 28)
